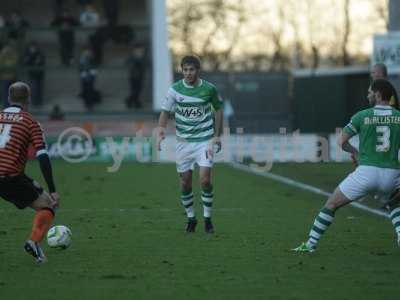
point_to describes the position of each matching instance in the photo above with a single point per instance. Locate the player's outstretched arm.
(47, 172)
(162, 124)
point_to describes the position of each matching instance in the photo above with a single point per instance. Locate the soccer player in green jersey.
(378, 168)
(198, 116)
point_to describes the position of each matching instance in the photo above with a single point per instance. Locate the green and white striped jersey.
(379, 132)
(193, 107)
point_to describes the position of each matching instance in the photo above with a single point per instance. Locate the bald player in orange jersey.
(18, 130)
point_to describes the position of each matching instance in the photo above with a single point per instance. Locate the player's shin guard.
(321, 224)
(187, 202)
(395, 217)
(207, 199)
(41, 224)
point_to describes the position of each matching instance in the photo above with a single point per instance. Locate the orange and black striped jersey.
(18, 130)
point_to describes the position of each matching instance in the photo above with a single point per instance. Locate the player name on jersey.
(381, 120)
(11, 117)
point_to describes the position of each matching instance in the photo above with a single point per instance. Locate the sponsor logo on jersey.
(191, 112)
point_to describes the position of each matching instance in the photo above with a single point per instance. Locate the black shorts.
(19, 190)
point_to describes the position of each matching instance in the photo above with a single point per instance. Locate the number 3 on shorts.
(382, 138)
(4, 134)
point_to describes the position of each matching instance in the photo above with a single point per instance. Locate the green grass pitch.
(128, 240)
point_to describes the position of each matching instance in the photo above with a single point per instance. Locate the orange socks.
(41, 224)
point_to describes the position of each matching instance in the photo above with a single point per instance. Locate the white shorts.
(368, 179)
(188, 154)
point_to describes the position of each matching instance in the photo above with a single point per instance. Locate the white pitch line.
(304, 186)
(131, 210)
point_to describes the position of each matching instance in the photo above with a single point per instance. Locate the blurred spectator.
(58, 8)
(136, 66)
(96, 42)
(56, 113)
(84, 2)
(3, 34)
(2, 21)
(8, 70)
(111, 12)
(122, 34)
(66, 34)
(16, 26)
(89, 17)
(88, 74)
(35, 60)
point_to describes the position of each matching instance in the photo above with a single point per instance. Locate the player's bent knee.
(186, 185)
(394, 200)
(337, 200)
(43, 201)
(186, 188)
(205, 183)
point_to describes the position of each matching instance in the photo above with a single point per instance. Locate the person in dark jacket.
(66, 24)
(35, 61)
(136, 65)
(88, 75)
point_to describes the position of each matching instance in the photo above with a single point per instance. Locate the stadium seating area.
(62, 84)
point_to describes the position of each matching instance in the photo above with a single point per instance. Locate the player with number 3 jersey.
(378, 170)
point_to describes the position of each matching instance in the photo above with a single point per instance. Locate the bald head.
(19, 93)
(379, 71)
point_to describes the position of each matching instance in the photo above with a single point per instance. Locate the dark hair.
(383, 68)
(191, 60)
(384, 87)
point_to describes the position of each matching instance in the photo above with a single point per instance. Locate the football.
(59, 236)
